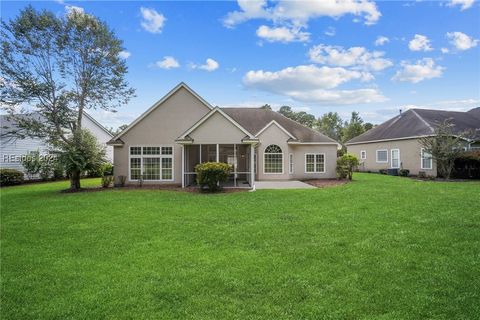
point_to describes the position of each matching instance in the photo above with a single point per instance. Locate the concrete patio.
(290, 184)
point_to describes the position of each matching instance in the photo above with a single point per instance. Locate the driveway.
(291, 184)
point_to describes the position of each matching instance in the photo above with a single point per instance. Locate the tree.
(444, 147)
(301, 117)
(60, 66)
(286, 111)
(367, 126)
(266, 106)
(353, 128)
(331, 125)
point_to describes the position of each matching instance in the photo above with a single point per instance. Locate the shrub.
(210, 174)
(32, 164)
(10, 177)
(345, 166)
(122, 180)
(422, 174)
(107, 181)
(383, 171)
(404, 172)
(58, 171)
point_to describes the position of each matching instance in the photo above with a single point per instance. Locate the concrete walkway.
(291, 184)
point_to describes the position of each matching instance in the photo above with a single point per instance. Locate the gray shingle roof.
(420, 122)
(255, 119)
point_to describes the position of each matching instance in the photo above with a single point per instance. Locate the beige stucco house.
(181, 130)
(395, 143)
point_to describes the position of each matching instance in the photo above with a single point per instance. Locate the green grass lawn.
(378, 248)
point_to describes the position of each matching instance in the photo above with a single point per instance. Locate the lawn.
(378, 248)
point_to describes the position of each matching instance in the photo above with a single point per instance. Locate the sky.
(374, 57)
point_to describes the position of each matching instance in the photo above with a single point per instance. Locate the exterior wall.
(17, 148)
(161, 127)
(410, 157)
(272, 135)
(102, 136)
(217, 129)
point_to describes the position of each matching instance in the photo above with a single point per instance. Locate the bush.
(404, 172)
(58, 171)
(210, 174)
(107, 181)
(345, 166)
(383, 171)
(107, 169)
(32, 164)
(122, 180)
(467, 165)
(10, 177)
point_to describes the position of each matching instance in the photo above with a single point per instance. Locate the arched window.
(273, 159)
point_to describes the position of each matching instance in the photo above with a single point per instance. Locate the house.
(395, 143)
(12, 150)
(181, 130)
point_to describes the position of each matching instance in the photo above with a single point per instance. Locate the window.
(290, 163)
(395, 156)
(363, 155)
(426, 160)
(382, 156)
(273, 159)
(314, 163)
(151, 163)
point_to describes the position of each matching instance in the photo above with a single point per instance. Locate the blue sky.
(316, 56)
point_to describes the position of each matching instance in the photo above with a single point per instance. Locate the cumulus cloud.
(168, 62)
(74, 9)
(381, 40)
(444, 50)
(210, 65)
(421, 70)
(310, 83)
(152, 21)
(300, 12)
(464, 4)
(124, 54)
(356, 57)
(330, 31)
(420, 43)
(461, 41)
(282, 34)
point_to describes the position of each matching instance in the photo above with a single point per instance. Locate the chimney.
(400, 111)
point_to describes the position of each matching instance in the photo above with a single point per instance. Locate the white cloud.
(381, 40)
(152, 20)
(74, 9)
(168, 62)
(445, 50)
(330, 31)
(356, 57)
(422, 70)
(282, 34)
(464, 4)
(300, 12)
(210, 65)
(420, 43)
(461, 41)
(124, 54)
(310, 83)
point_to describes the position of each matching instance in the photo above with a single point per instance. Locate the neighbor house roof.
(421, 122)
(256, 119)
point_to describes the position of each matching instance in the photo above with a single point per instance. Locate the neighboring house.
(182, 130)
(395, 143)
(12, 150)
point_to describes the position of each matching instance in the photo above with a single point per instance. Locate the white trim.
(183, 166)
(391, 159)
(313, 143)
(141, 156)
(422, 150)
(207, 116)
(283, 160)
(315, 162)
(279, 126)
(391, 139)
(376, 156)
(362, 152)
(161, 101)
(290, 163)
(252, 166)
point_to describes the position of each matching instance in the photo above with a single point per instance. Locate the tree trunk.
(75, 180)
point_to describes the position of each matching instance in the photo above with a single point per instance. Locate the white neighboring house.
(11, 150)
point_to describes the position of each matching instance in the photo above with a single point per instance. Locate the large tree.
(331, 125)
(58, 67)
(301, 117)
(353, 128)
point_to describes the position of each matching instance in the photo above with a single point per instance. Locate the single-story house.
(12, 150)
(395, 144)
(181, 130)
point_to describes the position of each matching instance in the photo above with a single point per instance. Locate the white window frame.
(422, 151)
(159, 156)
(290, 163)
(391, 159)
(376, 155)
(283, 160)
(363, 155)
(315, 162)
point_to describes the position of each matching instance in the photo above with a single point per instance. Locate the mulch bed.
(325, 183)
(172, 187)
